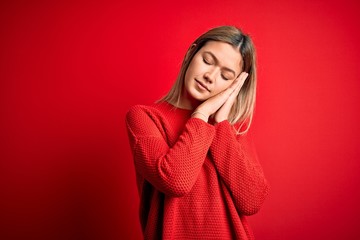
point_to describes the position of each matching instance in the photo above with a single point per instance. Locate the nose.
(210, 75)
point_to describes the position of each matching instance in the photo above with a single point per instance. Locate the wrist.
(200, 115)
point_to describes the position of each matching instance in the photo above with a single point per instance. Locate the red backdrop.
(70, 70)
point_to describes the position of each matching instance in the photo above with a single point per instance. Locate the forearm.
(171, 169)
(237, 166)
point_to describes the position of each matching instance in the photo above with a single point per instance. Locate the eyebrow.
(216, 60)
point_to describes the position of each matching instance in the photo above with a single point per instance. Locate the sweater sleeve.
(172, 170)
(239, 169)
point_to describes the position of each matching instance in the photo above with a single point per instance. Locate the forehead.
(227, 55)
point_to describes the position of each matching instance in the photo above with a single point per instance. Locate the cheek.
(222, 86)
(197, 67)
(190, 72)
(187, 77)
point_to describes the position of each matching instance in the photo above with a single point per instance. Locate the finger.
(234, 94)
(231, 92)
(225, 109)
(236, 82)
(241, 79)
(236, 91)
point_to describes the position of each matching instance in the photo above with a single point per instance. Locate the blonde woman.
(197, 176)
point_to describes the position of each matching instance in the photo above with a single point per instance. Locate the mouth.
(202, 85)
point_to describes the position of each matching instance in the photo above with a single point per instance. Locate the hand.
(223, 113)
(220, 104)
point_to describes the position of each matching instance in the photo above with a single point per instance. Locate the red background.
(70, 70)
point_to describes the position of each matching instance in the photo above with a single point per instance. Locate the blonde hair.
(243, 109)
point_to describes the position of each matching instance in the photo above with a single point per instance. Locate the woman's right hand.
(213, 104)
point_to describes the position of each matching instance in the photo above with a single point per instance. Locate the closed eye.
(224, 77)
(207, 61)
(209, 58)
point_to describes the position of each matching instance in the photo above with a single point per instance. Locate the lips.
(202, 85)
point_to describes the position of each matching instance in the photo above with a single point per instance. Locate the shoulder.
(147, 119)
(137, 112)
(137, 109)
(242, 127)
(152, 112)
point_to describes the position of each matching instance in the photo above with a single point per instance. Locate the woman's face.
(213, 68)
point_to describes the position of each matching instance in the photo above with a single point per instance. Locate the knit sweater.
(195, 180)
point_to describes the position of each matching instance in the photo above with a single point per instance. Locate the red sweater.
(195, 180)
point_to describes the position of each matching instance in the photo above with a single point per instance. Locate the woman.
(197, 176)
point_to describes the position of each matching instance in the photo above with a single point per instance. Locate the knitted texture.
(195, 180)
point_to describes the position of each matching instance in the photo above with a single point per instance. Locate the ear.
(189, 51)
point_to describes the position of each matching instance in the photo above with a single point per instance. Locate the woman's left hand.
(223, 112)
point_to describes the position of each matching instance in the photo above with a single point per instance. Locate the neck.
(187, 102)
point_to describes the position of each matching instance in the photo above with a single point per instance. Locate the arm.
(172, 170)
(238, 168)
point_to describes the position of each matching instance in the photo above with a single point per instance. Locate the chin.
(199, 96)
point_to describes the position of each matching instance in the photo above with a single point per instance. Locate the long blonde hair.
(243, 109)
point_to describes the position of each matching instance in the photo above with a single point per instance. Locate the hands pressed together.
(220, 105)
